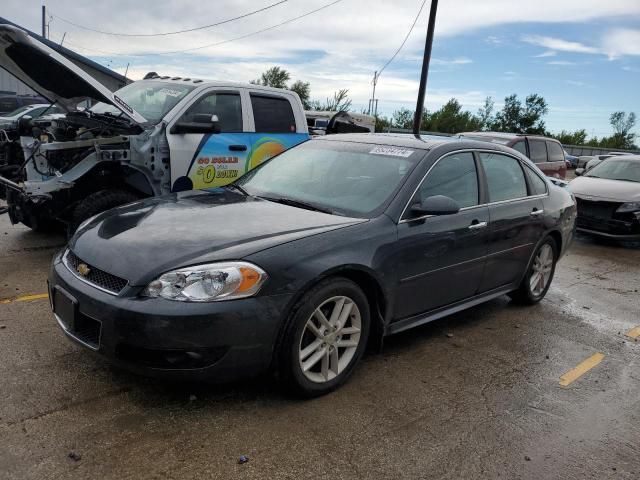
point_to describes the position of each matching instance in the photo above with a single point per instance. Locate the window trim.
(476, 152)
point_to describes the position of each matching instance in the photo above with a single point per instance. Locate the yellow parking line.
(572, 375)
(633, 333)
(25, 298)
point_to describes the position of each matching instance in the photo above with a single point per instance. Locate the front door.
(440, 259)
(210, 160)
(516, 220)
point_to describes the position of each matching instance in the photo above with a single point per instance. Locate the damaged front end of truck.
(108, 153)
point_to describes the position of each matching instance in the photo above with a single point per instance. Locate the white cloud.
(454, 61)
(559, 44)
(562, 63)
(548, 53)
(622, 41)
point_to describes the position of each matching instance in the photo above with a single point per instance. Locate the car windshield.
(150, 99)
(352, 179)
(617, 169)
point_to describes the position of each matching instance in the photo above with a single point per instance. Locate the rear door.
(516, 219)
(556, 164)
(276, 123)
(440, 259)
(204, 161)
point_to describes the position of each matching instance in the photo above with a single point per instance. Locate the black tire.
(289, 368)
(524, 295)
(96, 203)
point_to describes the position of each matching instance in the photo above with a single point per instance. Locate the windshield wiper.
(297, 203)
(238, 188)
(626, 180)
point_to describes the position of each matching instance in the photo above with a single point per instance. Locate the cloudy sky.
(583, 56)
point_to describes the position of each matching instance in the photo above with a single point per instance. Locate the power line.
(252, 33)
(404, 41)
(169, 33)
(223, 42)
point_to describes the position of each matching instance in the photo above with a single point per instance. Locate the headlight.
(208, 283)
(629, 207)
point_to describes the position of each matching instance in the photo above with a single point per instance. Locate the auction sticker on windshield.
(391, 151)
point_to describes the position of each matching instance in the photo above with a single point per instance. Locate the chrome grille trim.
(101, 280)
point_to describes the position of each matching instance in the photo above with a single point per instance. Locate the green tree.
(303, 89)
(450, 119)
(485, 114)
(275, 77)
(517, 118)
(622, 125)
(579, 137)
(383, 124)
(402, 118)
(339, 102)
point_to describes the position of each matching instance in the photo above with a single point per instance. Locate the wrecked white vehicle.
(152, 137)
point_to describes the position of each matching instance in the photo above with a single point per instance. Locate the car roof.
(423, 142)
(505, 135)
(624, 157)
(407, 140)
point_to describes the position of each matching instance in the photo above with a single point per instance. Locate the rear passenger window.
(538, 151)
(504, 176)
(538, 185)
(520, 147)
(555, 152)
(453, 176)
(273, 114)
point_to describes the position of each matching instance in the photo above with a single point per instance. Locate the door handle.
(535, 212)
(238, 148)
(477, 225)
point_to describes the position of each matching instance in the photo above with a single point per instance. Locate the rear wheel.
(96, 203)
(537, 281)
(326, 336)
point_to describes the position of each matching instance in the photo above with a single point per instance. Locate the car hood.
(141, 240)
(603, 189)
(52, 75)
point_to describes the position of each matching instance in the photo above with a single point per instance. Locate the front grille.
(603, 217)
(95, 276)
(597, 210)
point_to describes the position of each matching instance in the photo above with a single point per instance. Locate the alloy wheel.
(541, 270)
(330, 339)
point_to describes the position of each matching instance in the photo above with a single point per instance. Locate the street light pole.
(417, 118)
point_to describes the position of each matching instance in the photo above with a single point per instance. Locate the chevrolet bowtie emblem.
(83, 269)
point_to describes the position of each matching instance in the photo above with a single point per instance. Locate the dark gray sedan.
(305, 260)
(608, 197)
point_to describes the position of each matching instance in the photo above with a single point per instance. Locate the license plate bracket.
(65, 307)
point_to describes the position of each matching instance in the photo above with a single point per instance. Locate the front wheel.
(326, 335)
(537, 281)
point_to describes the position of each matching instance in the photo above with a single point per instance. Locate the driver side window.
(226, 105)
(453, 176)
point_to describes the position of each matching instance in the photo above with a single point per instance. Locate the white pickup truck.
(152, 137)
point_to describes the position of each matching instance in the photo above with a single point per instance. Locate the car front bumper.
(216, 341)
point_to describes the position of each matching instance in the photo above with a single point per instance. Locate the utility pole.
(44, 22)
(417, 119)
(373, 104)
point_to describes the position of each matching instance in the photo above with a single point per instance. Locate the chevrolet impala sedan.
(304, 261)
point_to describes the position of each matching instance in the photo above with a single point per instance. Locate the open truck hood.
(52, 75)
